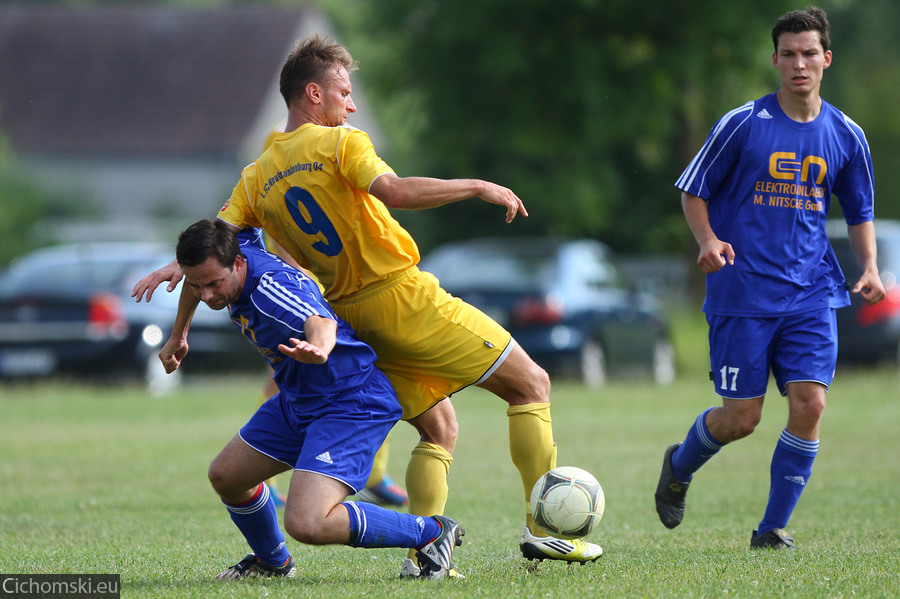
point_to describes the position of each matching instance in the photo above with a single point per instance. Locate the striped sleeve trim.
(719, 138)
(860, 137)
(284, 298)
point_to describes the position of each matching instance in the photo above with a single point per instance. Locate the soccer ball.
(567, 502)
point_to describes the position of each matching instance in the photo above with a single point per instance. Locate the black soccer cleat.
(251, 567)
(436, 558)
(774, 539)
(670, 492)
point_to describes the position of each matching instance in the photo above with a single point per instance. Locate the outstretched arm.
(862, 242)
(418, 193)
(714, 253)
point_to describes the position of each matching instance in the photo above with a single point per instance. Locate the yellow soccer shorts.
(429, 343)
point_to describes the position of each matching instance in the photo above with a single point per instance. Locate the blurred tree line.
(25, 204)
(588, 109)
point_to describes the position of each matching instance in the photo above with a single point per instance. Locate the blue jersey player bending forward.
(332, 413)
(756, 198)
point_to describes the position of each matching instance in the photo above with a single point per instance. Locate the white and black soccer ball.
(567, 502)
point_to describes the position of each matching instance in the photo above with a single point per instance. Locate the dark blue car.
(564, 301)
(67, 310)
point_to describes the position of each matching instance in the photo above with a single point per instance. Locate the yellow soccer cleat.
(575, 551)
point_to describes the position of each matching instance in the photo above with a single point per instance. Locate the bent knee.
(541, 384)
(218, 479)
(229, 490)
(438, 426)
(743, 427)
(519, 380)
(812, 408)
(532, 388)
(449, 433)
(445, 436)
(305, 530)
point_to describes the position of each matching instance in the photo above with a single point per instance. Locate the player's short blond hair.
(308, 62)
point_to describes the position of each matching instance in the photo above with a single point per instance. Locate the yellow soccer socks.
(531, 446)
(426, 481)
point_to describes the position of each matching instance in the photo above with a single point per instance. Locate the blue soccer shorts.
(337, 438)
(796, 348)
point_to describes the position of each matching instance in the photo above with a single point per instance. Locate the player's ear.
(314, 92)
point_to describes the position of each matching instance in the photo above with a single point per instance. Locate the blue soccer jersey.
(275, 302)
(768, 182)
(252, 236)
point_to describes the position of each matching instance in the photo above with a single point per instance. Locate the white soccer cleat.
(409, 569)
(575, 551)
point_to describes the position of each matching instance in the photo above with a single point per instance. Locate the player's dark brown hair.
(811, 18)
(308, 62)
(205, 239)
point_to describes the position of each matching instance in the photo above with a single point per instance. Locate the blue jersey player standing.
(333, 410)
(756, 198)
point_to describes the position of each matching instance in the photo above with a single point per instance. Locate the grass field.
(108, 480)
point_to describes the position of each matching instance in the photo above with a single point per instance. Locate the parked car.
(869, 334)
(68, 310)
(564, 301)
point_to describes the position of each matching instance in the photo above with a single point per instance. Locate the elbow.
(394, 201)
(394, 198)
(390, 191)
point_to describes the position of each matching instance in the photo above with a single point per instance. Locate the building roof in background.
(139, 80)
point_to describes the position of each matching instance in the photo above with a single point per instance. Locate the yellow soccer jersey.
(309, 191)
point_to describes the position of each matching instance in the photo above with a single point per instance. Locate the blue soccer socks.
(372, 526)
(790, 471)
(698, 447)
(258, 522)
